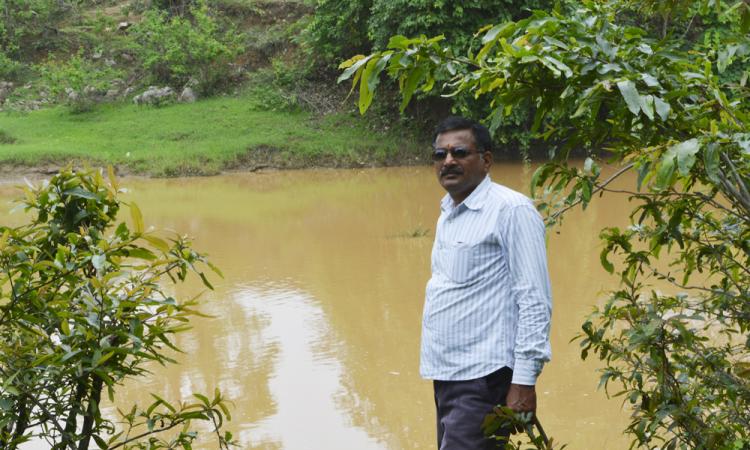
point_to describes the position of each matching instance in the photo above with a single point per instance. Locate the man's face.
(459, 176)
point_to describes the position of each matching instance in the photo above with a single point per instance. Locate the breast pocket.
(458, 262)
(466, 262)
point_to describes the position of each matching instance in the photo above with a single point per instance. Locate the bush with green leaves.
(339, 29)
(674, 337)
(83, 308)
(9, 69)
(78, 81)
(174, 49)
(29, 25)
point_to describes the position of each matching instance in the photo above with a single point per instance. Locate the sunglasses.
(439, 154)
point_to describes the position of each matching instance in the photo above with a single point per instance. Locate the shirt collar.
(474, 201)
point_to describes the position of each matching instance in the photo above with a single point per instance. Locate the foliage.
(175, 49)
(28, 24)
(338, 28)
(527, 423)
(456, 20)
(83, 309)
(9, 68)
(78, 81)
(676, 335)
(173, 7)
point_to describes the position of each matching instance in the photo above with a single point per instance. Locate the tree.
(78, 81)
(173, 49)
(675, 336)
(82, 308)
(340, 28)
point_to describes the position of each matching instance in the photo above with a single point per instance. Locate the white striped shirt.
(488, 302)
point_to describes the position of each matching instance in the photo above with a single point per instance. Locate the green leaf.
(141, 253)
(647, 106)
(202, 398)
(650, 80)
(367, 84)
(352, 65)
(11, 390)
(205, 281)
(585, 192)
(100, 442)
(104, 358)
(608, 266)
(711, 162)
(502, 30)
(215, 269)
(80, 193)
(665, 172)
(399, 42)
(164, 402)
(225, 410)
(662, 108)
(65, 327)
(685, 154)
(157, 242)
(410, 85)
(745, 19)
(98, 261)
(69, 355)
(135, 214)
(631, 96)
(561, 67)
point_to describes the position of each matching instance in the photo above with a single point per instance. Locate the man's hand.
(521, 399)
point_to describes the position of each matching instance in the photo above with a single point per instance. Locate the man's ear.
(487, 158)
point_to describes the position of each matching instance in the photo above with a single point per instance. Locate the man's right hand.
(521, 399)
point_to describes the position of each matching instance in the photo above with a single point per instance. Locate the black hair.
(481, 134)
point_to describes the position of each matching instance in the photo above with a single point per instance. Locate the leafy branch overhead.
(82, 309)
(645, 100)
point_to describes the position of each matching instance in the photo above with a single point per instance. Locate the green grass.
(201, 138)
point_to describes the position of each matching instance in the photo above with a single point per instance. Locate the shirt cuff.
(526, 371)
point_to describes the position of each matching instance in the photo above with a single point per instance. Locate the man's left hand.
(521, 398)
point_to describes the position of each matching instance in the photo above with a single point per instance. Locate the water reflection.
(305, 376)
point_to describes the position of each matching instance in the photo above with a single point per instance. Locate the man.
(485, 326)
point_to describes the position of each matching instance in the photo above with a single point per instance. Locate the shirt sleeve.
(530, 288)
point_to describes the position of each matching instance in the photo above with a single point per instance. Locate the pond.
(315, 327)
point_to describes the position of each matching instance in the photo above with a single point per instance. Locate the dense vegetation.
(84, 308)
(341, 28)
(666, 98)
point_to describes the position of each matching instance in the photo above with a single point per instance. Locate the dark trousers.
(462, 407)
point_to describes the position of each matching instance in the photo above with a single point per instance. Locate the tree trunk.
(92, 412)
(71, 423)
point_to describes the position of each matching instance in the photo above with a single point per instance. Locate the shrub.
(338, 29)
(342, 28)
(77, 81)
(82, 309)
(9, 69)
(175, 49)
(28, 24)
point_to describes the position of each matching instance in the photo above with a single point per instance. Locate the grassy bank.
(207, 137)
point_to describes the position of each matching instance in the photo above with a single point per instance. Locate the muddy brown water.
(315, 328)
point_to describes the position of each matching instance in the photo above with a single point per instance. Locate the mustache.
(451, 171)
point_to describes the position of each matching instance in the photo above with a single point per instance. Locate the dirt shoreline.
(16, 173)
(255, 161)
